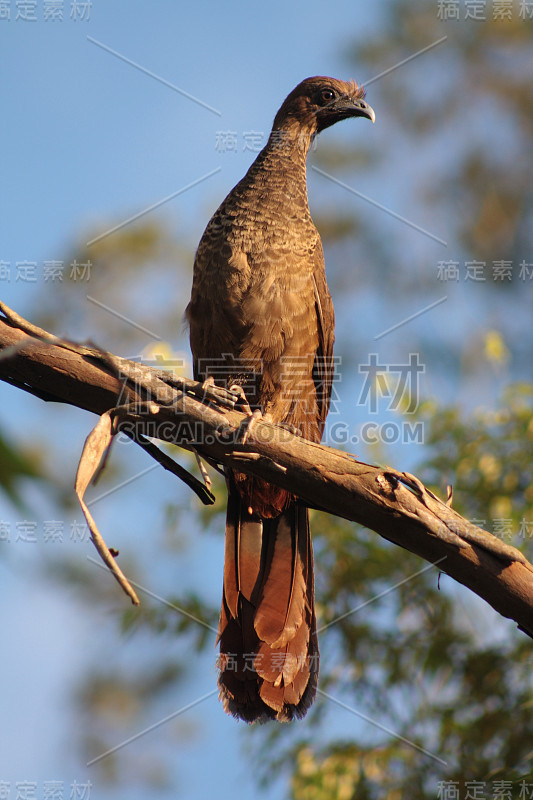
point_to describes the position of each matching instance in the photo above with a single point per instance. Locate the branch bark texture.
(150, 402)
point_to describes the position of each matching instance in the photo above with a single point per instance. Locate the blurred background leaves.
(451, 151)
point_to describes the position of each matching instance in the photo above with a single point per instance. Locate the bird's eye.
(327, 95)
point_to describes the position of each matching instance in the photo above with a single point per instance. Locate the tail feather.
(267, 630)
(281, 604)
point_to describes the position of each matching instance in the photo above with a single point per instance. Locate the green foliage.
(112, 295)
(415, 671)
(429, 666)
(18, 463)
(480, 72)
(488, 456)
(187, 614)
(426, 661)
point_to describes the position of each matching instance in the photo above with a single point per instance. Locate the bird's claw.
(242, 400)
(246, 427)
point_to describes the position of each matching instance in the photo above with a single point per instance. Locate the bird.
(261, 321)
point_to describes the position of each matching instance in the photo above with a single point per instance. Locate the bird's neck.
(291, 140)
(281, 166)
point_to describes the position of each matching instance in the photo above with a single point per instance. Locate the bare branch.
(394, 504)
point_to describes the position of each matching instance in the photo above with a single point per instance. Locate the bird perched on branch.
(261, 318)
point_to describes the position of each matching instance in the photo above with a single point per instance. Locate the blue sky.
(89, 139)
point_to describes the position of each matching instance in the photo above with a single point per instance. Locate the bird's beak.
(356, 108)
(343, 107)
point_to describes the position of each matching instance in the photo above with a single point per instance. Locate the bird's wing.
(324, 366)
(216, 323)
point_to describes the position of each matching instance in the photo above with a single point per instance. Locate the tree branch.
(154, 403)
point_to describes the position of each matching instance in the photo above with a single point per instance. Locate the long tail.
(267, 630)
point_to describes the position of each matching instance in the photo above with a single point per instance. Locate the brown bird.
(261, 318)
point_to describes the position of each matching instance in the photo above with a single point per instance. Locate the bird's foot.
(242, 400)
(246, 427)
(208, 386)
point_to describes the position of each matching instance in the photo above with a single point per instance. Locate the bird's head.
(316, 103)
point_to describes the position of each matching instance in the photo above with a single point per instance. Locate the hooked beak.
(355, 108)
